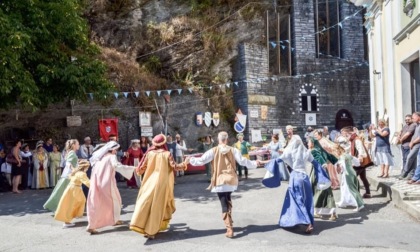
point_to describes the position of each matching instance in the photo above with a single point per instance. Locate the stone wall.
(342, 89)
(51, 122)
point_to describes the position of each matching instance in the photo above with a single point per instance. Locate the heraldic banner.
(108, 127)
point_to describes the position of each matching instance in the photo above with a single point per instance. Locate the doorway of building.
(415, 84)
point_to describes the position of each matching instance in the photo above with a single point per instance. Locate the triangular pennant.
(169, 91)
(341, 25)
(137, 93)
(91, 96)
(125, 94)
(293, 49)
(158, 92)
(236, 83)
(273, 44)
(179, 91)
(228, 85)
(282, 47)
(210, 87)
(116, 95)
(148, 93)
(281, 42)
(190, 89)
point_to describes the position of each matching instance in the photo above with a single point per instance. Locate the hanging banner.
(264, 111)
(108, 127)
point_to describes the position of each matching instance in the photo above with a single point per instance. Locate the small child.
(72, 203)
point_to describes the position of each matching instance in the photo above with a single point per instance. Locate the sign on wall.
(145, 119)
(253, 113)
(146, 131)
(310, 119)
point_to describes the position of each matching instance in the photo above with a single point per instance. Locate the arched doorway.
(343, 119)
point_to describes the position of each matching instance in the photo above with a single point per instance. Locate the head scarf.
(99, 153)
(295, 154)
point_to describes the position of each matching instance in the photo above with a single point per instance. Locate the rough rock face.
(206, 44)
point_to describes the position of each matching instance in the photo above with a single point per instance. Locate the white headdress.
(295, 154)
(99, 153)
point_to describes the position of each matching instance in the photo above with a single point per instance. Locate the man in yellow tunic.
(155, 202)
(224, 180)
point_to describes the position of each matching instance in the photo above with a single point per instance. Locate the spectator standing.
(405, 137)
(26, 155)
(40, 175)
(383, 148)
(16, 166)
(86, 149)
(54, 165)
(179, 156)
(414, 145)
(207, 144)
(48, 145)
(244, 147)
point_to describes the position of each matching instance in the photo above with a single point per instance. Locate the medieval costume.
(104, 200)
(71, 162)
(323, 199)
(328, 146)
(134, 155)
(155, 202)
(224, 179)
(72, 203)
(54, 167)
(274, 146)
(298, 207)
(350, 195)
(358, 150)
(40, 174)
(244, 147)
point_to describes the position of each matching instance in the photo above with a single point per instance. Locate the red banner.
(108, 127)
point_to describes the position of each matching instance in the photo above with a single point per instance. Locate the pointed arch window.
(308, 98)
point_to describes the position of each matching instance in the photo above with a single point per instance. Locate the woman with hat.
(133, 157)
(72, 203)
(155, 202)
(40, 174)
(104, 200)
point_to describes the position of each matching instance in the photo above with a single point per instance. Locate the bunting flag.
(158, 92)
(136, 93)
(190, 89)
(148, 93)
(179, 91)
(116, 95)
(210, 87)
(228, 85)
(273, 44)
(169, 91)
(125, 94)
(236, 83)
(341, 25)
(91, 96)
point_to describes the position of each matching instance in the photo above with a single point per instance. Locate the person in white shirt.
(224, 179)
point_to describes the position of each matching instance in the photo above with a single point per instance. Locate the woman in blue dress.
(298, 206)
(275, 149)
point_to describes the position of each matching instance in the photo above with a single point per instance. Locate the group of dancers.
(307, 196)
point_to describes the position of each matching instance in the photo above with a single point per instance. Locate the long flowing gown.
(134, 157)
(40, 175)
(104, 200)
(54, 167)
(274, 154)
(298, 207)
(328, 146)
(72, 203)
(155, 202)
(70, 162)
(350, 195)
(323, 199)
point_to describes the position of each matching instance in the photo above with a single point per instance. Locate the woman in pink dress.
(104, 200)
(133, 157)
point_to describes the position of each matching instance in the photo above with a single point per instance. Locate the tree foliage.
(46, 55)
